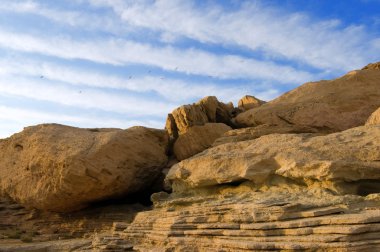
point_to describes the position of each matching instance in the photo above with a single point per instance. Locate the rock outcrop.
(374, 118)
(197, 139)
(329, 106)
(206, 110)
(60, 168)
(249, 102)
(344, 162)
(276, 192)
(242, 218)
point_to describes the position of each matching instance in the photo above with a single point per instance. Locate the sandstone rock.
(346, 162)
(329, 106)
(249, 102)
(208, 109)
(17, 222)
(250, 133)
(197, 139)
(242, 218)
(61, 168)
(374, 118)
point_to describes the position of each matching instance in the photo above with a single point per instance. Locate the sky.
(120, 63)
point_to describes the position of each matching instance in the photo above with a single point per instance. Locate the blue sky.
(116, 63)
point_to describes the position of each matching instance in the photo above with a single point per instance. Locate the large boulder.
(329, 106)
(206, 110)
(197, 139)
(249, 102)
(61, 168)
(374, 118)
(345, 162)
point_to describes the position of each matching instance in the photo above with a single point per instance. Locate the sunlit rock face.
(60, 168)
(328, 106)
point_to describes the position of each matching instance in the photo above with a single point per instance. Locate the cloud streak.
(256, 26)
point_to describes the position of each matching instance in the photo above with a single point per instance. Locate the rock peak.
(372, 66)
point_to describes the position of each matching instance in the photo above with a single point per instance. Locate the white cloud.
(123, 52)
(294, 36)
(14, 119)
(85, 20)
(46, 90)
(173, 90)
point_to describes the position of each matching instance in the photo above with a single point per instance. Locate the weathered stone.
(241, 218)
(329, 106)
(197, 139)
(345, 162)
(207, 110)
(374, 118)
(249, 102)
(60, 168)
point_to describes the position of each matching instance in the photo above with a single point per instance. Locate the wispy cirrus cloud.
(124, 52)
(256, 26)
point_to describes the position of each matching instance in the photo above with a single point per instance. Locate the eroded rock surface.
(197, 139)
(276, 192)
(247, 218)
(207, 110)
(329, 106)
(60, 168)
(338, 162)
(374, 118)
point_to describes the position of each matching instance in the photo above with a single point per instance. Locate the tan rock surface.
(249, 102)
(243, 218)
(346, 162)
(374, 118)
(197, 139)
(61, 168)
(329, 106)
(206, 110)
(250, 133)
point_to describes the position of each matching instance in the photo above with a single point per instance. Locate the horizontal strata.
(250, 226)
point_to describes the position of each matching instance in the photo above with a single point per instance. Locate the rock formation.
(329, 106)
(197, 139)
(277, 192)
(60, 168)
(249, 102)
(301, 173)
(206, 110)
(374, 118)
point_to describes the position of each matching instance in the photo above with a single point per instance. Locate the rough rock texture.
(277, 192)
(60, 168)
(24, 229)
(250, 133)
(344, 162)
(197, 139)
(374, 118)
(249, 102)
(208, 109)
(329, 106)
(245, 218)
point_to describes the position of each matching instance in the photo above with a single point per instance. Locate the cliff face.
(301, 172)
